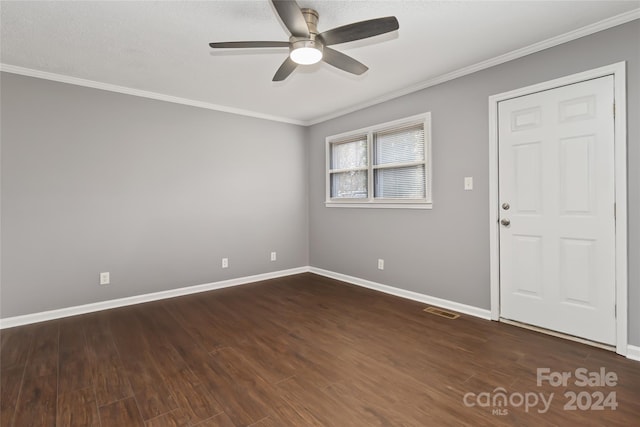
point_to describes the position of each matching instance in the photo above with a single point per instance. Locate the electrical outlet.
(225, 262)
(273, 256)
(104, 278)
(380, 264)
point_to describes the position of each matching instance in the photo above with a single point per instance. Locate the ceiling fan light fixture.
(306, 52)
(306, 55)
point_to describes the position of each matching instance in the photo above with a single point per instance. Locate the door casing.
(617, 70)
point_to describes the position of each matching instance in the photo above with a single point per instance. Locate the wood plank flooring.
(298, 351)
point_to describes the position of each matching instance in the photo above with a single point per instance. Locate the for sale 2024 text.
(582, 377)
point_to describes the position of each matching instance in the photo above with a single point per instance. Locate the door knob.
(505, 221)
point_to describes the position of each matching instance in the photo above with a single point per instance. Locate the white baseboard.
(633, 352)
(43, 316)
(26, 319)
(450, 305)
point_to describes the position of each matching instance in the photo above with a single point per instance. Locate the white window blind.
(399, 163)
(381, 166)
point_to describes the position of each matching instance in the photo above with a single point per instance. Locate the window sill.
(380, 205)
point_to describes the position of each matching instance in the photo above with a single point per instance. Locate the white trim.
(620, 147)
(622, 257)
(26, 319)
(380, 205)
(142, 93)
(501, 59)
(368, 132)
(633, 352)
(402, 293)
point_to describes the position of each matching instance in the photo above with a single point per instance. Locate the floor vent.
(442, 313)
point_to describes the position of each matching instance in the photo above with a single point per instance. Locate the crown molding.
(142, 93)
(501, 59)
(605, 24)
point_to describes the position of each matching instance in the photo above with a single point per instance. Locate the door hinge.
(614, 110)
(615, 211)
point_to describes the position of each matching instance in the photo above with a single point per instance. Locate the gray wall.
(445, 252)
(153, 192)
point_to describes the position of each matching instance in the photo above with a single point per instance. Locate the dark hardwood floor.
(301, 351)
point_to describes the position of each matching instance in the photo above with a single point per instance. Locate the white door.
(557, 212)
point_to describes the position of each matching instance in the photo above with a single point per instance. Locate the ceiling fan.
(308, 46)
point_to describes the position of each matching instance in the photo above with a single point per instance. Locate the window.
(384, 166)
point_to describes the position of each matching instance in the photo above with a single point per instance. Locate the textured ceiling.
(162, 47)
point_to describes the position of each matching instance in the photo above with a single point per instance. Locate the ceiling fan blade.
(234, 45)
(285, 69)
(292, 17)
(342, 61)
(360, 30)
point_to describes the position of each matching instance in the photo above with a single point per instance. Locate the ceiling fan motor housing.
(303, 45)
(314, 42)
(297, 43)
(311, 16)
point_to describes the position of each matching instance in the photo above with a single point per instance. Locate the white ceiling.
(162, 47)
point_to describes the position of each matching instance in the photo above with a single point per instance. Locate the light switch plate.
(468, 183)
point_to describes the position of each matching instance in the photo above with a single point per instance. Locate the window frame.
(371, 201)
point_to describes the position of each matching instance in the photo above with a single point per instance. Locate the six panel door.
(557, 194)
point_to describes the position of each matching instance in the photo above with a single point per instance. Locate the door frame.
(618, 71)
